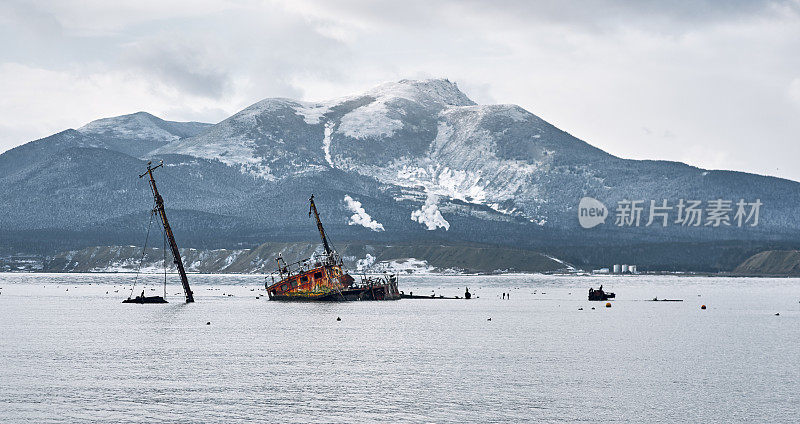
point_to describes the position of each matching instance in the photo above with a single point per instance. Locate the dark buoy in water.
(338, 318)
(702, 306)
(592, 307)
(208, 323)
(608, 304)
(777, 314)
(580, 309)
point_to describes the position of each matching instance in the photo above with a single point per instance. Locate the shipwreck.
(323, 278)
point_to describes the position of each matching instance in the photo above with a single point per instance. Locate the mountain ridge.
(418, 160)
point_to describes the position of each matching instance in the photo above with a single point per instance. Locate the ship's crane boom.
(313, 210)
(176, 254)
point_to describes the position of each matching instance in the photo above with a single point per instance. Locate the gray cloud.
(719, 80)
(190, 67)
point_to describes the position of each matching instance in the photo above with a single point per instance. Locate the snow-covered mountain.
(407, 161)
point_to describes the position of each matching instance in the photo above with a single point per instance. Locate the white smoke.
(360, 216)
(365, 263)
(429, 214)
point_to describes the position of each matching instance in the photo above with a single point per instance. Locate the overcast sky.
(711, 83)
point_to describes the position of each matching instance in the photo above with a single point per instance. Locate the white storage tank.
(617, 268)
(625, 268)
(632, 268)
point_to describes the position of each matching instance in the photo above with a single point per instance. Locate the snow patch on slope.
(404, 265)
(312, 113)
(462, 164)
(566, 265)
(429, 215)
(369, 121)
(326, 143)
(360, 216)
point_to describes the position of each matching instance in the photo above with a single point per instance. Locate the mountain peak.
(141, 126)
(439, 91)
(132, 123)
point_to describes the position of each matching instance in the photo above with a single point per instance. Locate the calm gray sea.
(71, 352)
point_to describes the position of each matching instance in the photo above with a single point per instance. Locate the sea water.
(70, 351)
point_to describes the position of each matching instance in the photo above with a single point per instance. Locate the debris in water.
(599, 294)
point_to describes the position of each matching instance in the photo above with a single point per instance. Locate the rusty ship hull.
(330, 284)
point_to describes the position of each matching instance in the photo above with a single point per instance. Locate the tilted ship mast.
(313, 209)
(176, 254)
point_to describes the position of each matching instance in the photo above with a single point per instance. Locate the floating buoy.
(592, 307)
(777, 314)
(208, 323)
(702, 306)
(608, 304)
(258, 297)
(338, 318)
